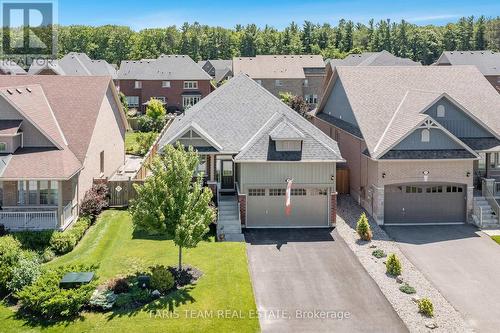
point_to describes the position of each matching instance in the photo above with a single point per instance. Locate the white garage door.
(266, 208)
(424, 203)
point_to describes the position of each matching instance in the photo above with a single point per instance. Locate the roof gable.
(276, 66)
(488, 62)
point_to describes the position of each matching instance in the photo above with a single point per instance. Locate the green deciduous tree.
(171, 203)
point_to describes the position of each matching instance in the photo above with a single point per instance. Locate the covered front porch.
(488, 168)
(38, 204)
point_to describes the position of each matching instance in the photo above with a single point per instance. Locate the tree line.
(420, 43)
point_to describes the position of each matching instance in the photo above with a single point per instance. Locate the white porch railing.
(68, 214)
(488, 190)
(29, 220)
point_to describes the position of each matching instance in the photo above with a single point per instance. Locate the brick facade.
(242, 199)
(333, 208)
(153, 88)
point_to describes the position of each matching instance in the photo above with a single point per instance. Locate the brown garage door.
(425, 203)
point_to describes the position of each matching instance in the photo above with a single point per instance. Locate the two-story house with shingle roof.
(250, 144)
(299, 75)
(488, 63)
(219, 69)
(57, 133)
(176, 80)
(415, 139)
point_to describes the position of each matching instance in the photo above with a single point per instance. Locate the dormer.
(287, 137)
(11, 136)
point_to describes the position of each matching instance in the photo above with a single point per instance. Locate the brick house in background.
(175, 80)
(300, 75)
(488, 63)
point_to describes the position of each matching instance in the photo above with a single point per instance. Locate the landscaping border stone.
(446, 317)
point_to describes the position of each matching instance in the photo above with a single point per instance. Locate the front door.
(227, 172)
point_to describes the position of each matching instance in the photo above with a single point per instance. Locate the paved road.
(311, 270)
(462, 263)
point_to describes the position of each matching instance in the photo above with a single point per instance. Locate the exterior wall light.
(383, 174)
(468, 174)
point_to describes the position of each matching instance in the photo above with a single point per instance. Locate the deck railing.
(29, 220)
(488, 191)
(69, 213)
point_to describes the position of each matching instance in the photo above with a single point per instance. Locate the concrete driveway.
(300, 275)
(463, 263)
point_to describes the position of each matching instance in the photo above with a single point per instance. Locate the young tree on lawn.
(171, 203)
(155, 111)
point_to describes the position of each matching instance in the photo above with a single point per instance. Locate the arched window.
(426, 135)
(441, 112)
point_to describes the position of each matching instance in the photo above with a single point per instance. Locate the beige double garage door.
(425, 203)
(266, 207)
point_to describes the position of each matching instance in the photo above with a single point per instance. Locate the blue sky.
(278, 13)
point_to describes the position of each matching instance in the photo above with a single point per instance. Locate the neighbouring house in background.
(219, 70)
(74, 64)
(176, 80)
(488, 63)
(300, 75)
(250, 144)
(9, 67)
(417, 141)
(57, 133)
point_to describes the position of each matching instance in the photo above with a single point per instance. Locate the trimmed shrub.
(393, 265)
(47, 255)
(140, 296)
(62, 242)
(78, 229)
(25, 272)
(44, 299)
(34, 240)
(119, 285)
(102, 300)
(10, 251)
(426, 307)
(144, 142)
(161, 279)
(363, 228)
(124, 301)
(379, 253)
(407, 289)
(94, 201)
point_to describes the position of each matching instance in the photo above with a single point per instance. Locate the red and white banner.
(288, 197)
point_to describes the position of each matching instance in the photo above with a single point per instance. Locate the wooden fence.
(143, 170)
(120, 191)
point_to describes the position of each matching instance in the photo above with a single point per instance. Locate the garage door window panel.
(257, 192)
(299, 191)
(274, 192)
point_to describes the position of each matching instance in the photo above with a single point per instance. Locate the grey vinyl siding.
(31, 135)
(194, 142)
(338, 104)
(457, 122)
(438, 140)
(275, 174)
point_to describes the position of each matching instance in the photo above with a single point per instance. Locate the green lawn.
(111, 243)
(496, 239)
(130, 142)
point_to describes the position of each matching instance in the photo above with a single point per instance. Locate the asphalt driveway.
(308, 280)
(463, 263)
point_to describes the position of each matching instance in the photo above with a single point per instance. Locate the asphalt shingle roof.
(276, 66)
(382, 58)
(166, 67)
(488, 62)
(74, 63)
(10, 67)
(388, 101)
(240, 115)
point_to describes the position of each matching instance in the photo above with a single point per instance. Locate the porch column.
(470, 199)
(487, 165)
(60, 202)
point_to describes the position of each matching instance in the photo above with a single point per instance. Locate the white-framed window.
(426, 135)
(137, 84)
(259, 82)
(274, 192)
(190, 84)
(278, 83)
(133, 101)
(311, 99)
(288, 145)
(202, 165)
(160, 98)
(188, 101)
(34, 192)
(441, 111)
(305, 83)
(3, 146)
(165, 84)
(256, 192)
